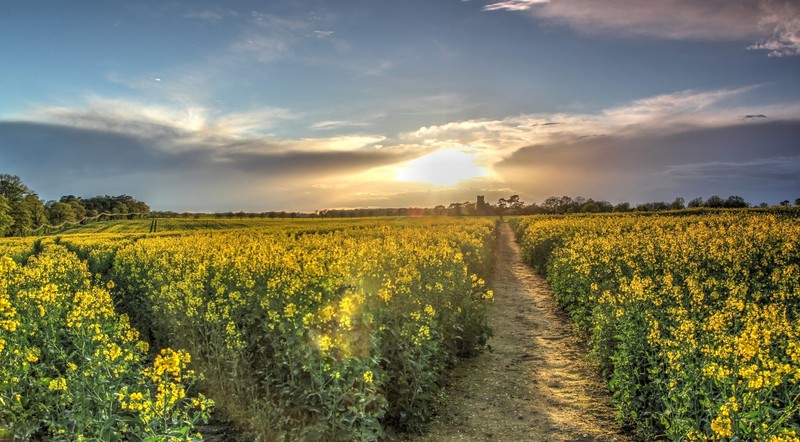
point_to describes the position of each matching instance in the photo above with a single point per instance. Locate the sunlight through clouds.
(441, 168)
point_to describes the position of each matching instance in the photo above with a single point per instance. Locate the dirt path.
(535, 384)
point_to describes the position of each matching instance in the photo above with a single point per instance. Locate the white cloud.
(337, 124)
(513, 5)
(212, 15)
(774, 25)
(783, 21)
(149, 120)
(495, 140)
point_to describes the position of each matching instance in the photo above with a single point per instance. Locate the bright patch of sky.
(185, 103)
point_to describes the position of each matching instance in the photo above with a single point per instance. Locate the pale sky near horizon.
(305, 105)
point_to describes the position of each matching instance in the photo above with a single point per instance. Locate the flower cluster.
(66, 357)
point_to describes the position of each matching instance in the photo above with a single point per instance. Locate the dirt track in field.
(535, 384)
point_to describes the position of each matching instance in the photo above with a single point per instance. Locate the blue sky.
(305, 105)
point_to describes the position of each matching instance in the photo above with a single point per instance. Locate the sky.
(306, 105)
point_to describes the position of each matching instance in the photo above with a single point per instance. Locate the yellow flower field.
(337, 331)
(695, 320)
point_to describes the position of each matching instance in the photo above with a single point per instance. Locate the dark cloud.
(56, 149)
(314, 163)
(170, 173)
(757, 161)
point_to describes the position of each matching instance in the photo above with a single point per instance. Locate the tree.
(77, 207)
(604, 206)
(35, 209)
(784, 203)
(5, 219)
(511, 204)
(551, 204)
(678, 204)
(735, 202)
(60, 213)
(12, 187)
(697, 202)
(797, 202)
(15, 191)
(714, 202)
(623, 207)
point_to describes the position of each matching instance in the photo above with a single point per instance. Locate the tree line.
(551, 205)
(22, 211)
(566, 204)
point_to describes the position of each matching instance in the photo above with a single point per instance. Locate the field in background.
(211, 223)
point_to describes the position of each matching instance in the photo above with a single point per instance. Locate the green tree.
(35, 209)
(80, 211)
(5, 219)
(15, 191)
(60, 213)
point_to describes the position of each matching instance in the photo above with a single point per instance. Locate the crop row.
(695, 320)
(338, 333)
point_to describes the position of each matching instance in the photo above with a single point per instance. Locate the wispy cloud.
(212, 15)
(513, 5)
(783, 20)
(380, 68)
(773, 24)
(161, 121)
(337, 124)
(663, 114)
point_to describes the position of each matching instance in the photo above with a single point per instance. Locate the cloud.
(163, 122)
(783, 20)
(337, 124)
(757, 162)
(773, 24)
(212, 15)
(322, 34)
(755, 171)
(179, 173)
(667, 113)
(513, 5)
(195, 158)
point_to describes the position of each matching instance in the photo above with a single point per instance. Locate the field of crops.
(305, 331)
(694, 320)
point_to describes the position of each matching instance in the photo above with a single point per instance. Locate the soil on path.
(535, 384)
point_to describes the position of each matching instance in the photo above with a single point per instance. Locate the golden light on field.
(442, 168)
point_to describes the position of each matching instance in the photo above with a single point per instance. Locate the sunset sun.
(442, 168)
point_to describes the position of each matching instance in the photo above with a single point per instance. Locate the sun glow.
(442, 168)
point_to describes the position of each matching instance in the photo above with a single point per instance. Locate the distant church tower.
(480, 206)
